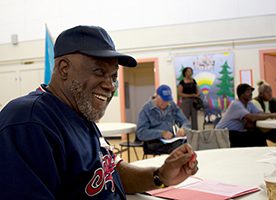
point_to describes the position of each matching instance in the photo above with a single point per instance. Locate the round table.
(268, 124)
(238, 166)
(111, 129)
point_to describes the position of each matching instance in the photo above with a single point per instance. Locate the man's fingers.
(183, 156)
(179, 160)
(192, 164)
(184, 148)
(194, 156)
(192, 171)
(191, 168)
(181, 151)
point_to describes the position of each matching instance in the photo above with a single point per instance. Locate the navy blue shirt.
(48, 151)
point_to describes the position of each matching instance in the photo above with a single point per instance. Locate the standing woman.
(187, 90)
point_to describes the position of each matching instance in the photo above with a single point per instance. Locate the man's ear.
(63, 67)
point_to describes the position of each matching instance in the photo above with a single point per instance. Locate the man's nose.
(109, 83)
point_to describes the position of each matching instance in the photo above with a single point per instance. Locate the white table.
(232, 165)
(269, 123)
(111, 129)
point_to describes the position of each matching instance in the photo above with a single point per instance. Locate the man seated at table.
(51, 147)
(264, 101)
(158, 119)
(240, 118)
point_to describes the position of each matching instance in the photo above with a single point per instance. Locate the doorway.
(137, 86)
(268, 67)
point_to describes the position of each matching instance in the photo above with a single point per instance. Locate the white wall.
(244, 37)
(113, 111)
(19, 79)
(27, 18)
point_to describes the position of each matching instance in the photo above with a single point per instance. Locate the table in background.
(230, 165)
(112, 129)
(268, 124)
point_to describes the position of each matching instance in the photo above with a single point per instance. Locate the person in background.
(240, 118)
(264, 101)
(51, 147)
(158, 119)
(187, 90)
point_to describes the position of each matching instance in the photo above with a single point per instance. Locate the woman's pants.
(189, 111)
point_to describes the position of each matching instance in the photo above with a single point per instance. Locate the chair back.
(137, 139)
(149, 151)
(211, 116)
(208, 139)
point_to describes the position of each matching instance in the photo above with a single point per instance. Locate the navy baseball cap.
(164, 92)
(91, 41)
(241, 89)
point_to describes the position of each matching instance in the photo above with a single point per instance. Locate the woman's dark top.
(188, 88)
(272, 104)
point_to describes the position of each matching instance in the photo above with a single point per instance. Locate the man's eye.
(98, 72)
(115, 83)
(114, 78)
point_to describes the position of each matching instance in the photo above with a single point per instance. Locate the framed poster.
(246, 76)
(213, 74)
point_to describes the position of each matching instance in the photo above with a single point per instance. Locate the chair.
(208, 139)
(134, 144)
(147, 151)
(211, 116)
(157, 148)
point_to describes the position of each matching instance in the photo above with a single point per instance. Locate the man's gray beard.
(83, 100)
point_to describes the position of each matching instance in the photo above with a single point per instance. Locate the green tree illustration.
(226, 84)
(180, 77)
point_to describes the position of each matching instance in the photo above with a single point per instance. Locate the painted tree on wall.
(180, 77)
(226, 85)
(213, 74)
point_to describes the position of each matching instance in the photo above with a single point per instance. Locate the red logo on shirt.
(101, 177)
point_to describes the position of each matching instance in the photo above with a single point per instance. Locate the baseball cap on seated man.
(241, 89)
(164, 92)
(91, 41)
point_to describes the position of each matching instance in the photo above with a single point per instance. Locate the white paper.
(189, 181)
(166, 141)
(219, 188)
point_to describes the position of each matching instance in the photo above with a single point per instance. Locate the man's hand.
(249, 124)
(167, 135)
(180, 132)
(273, 115)
(180, 164)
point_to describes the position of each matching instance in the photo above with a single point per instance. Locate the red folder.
(203, 190)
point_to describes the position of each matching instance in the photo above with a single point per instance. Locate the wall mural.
(214, 76)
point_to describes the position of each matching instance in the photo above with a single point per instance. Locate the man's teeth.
(103, 98)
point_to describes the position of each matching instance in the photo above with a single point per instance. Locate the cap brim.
(166, 99)
(123, 59)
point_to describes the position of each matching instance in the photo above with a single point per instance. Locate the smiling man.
(81, 90)
(50, 145)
